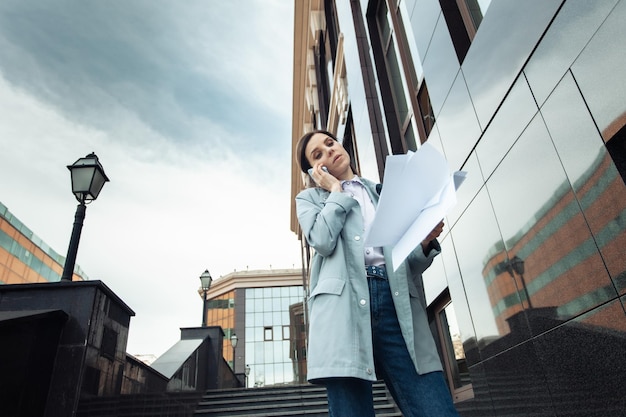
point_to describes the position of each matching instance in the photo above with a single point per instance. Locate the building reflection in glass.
(552, 231)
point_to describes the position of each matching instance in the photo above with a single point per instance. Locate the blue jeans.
(416, 395)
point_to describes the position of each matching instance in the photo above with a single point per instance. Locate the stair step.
(385, 410)
(277, 401)
(256, 397)
(140, 405)
(274, 406)
(284, 401)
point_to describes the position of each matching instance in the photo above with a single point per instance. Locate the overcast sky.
(187, 104)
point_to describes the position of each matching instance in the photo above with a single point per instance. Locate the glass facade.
(528, 295)
(221, 312)
(531, 258)
(268, 335)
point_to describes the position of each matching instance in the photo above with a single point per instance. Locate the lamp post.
(247, 373)
(88, 178)
(516, 264)
(233, 342)
(205, 282)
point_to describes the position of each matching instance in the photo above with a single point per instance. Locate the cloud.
(168, 64)
(187, 105)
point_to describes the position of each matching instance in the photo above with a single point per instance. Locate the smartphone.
(311, 171)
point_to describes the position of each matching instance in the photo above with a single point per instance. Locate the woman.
(366, 320)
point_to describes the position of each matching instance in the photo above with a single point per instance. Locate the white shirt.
(356, 189)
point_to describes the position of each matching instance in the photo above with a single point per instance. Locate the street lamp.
(205, 282)
(233, 342)
(88, 178)
(516, 264)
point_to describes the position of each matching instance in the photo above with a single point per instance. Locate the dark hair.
(301, 147)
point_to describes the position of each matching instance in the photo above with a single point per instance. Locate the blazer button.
(362, 301)
(396, 293)
(357, 238)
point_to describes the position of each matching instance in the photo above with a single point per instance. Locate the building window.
(453, 354)
(338, 105)
(391, 77)
(463, 18)
(109, 343)
(348, 141)
(332, 27)
(221, 312)
(426, 109)
(408, 111)
(91, 380)
(617, 149)
(268, 334)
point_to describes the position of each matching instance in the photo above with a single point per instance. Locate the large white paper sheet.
(417, 194)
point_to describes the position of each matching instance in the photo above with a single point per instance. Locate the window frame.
(420, 119)
(267, 329)
(462, 23)
(464, 392)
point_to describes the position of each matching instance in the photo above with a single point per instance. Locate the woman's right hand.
(324, 179)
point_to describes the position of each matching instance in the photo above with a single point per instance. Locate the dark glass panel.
(596, 181)
(478, 246)
(585, 362)
(482, 406)
(567, 36)
(440, 66)
(550, 254)
(599, 73)
(434, 279)
(517, 383)
(506, 37)
(511, 119)
(451, 336)
(458, 125)
(408, 4)
(467, 191)
(458, 297)
(424, 17)
(435, 140)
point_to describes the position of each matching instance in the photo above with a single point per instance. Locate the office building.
(263, 308)
(527, 297)
(24, 257)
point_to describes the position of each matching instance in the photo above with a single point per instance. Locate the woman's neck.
(347, 175)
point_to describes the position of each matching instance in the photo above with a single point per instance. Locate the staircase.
(288, 400)
(177, 404)
(276, 401)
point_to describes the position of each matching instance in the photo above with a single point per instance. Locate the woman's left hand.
(434, 234)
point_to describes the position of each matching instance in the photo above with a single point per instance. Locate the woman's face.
(325, 151)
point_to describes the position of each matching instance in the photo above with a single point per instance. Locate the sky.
(187, 105)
